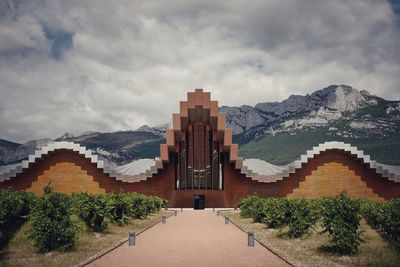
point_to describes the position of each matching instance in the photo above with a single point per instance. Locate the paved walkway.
(193, 238)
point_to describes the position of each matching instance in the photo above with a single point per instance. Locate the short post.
(131, 238)
(213, 209)
(217, 212)
(175, 212)
(181, 209)
(163, 219)
(250, 238)
(226, 220)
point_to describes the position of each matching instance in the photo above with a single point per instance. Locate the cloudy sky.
(116, 65)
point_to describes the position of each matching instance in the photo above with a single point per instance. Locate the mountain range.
(278, 132)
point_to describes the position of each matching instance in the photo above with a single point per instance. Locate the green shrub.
(392, 223)
(374, 212)
(137, 208)
(384, 216)
(275, 212)
(141, 205)
(14, 206)
(51, 227)
(271, 211)
(92, 209)
(302, 214)
(122, 206)
(249, 205)
(341, 219)
(119, 208)
(154, 204)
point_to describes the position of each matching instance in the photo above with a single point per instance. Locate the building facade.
(199, 167)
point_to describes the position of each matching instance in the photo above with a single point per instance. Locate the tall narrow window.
(221, 173)
(209, 160)
(215, 165)
(182, 160)
(198, 159)
(189, 154)
(199, 151)
(177, 174)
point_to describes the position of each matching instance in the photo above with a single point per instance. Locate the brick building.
(199, 167)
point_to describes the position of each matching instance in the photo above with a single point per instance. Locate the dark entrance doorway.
(199, 202)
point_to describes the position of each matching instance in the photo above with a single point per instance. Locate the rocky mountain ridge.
(337, 112)
(348, 112)
(115, 148)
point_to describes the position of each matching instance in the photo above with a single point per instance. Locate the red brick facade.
(328, 173)
(236, 185)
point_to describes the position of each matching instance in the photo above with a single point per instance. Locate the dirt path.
(193, 238)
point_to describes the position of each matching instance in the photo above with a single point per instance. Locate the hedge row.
(298, 214)
(51, 225)
(340, 217)
(94, 209)
(14, 206)
(384, 216)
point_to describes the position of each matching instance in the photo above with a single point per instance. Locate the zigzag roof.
(132, 172)
(199, 107)
(255, 169)
(11, 171)
(265, 172)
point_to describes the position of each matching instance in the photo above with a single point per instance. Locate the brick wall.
(329, 173)
(330, 179)
(66, 177)
(68, 172)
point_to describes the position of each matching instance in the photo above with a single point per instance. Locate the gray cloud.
(116, 65)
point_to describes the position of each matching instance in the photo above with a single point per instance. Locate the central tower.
(198, 159)
(199, 147)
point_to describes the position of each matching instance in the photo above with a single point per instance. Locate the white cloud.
(132, 61)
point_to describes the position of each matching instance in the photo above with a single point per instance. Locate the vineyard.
(337, 216)
(53, 218)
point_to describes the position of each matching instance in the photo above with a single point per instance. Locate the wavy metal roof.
(11, 171)
(265, 172)
(255, 169)
(135, 171)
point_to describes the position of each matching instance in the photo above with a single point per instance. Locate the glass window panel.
(209, 180)
(196, 178)
(182, 179)
(216, 166)
(189, 137)
(199, 162)
(221, 172)
(176, 173)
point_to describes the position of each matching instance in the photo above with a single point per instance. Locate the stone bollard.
(226, 220)
(163, 219)
(217, 212)
(132, 238)
(181, 209)
(213, 209)
(175, 212)
(250, 238)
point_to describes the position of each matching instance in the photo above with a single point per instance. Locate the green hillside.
(284, 148)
